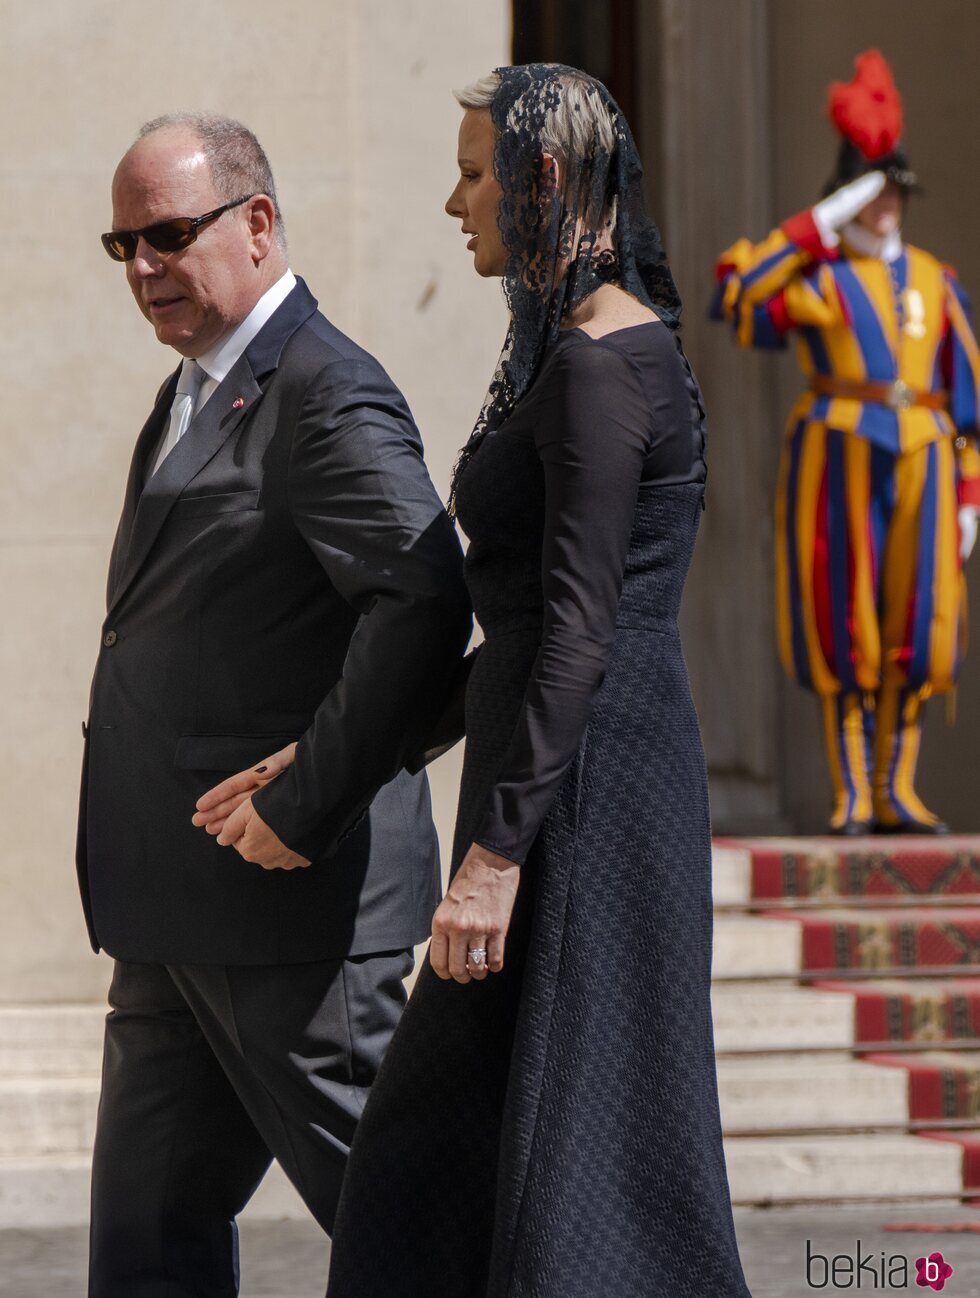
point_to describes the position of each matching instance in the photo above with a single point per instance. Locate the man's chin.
(171, 334)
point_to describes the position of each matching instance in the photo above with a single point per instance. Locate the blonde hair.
(570, 129)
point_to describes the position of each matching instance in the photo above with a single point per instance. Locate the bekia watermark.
(870, 1271)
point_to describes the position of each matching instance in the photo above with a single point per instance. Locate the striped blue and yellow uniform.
(869, 585)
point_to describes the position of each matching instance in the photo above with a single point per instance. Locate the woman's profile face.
(476, 198)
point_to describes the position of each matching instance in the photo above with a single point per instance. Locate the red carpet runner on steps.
(895, 924)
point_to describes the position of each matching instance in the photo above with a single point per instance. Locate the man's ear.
(261, 226)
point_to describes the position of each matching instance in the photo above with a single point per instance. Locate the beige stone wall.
(352, 102)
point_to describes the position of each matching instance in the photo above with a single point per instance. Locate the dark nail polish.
(260, 770)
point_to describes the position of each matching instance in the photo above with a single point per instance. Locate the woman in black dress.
(546, 1119)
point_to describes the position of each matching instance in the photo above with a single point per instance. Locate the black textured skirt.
(553, 1131)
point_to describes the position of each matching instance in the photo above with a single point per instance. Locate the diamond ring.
(477, 956)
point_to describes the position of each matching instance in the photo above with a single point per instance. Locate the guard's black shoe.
(932, 827)
(852, 828)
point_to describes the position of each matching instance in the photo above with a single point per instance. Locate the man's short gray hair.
(570, 129)
(235, 159)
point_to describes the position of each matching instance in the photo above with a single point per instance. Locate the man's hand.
(475, 913)
(254, 841)
(215, 806)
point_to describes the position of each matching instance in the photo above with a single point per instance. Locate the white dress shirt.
(218, 360)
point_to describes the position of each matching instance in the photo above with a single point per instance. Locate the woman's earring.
(605, 265)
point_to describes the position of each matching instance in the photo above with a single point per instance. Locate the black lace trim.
(561, 241)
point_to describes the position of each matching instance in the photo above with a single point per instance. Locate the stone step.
(886, 870)
(803, 1093)
(46, 1126)
(787, 1169)
(48, 1191)
(943, 1085)
(746, 946)
(928, 941)
(42, 1116)
(764, 1016)
(47, 1115)
(731, 875)
(51, 1191)
(51, 1039)
(935, 1010)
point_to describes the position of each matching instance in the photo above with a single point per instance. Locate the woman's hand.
(474, 915)
(215, 806)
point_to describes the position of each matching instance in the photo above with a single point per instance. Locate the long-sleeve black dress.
(553, 1131)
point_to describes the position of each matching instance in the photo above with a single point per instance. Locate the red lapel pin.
(238, 403)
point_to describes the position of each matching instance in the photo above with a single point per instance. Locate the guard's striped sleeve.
(766, 289)
(962, 374)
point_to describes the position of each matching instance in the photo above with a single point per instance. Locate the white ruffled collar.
(887, 249)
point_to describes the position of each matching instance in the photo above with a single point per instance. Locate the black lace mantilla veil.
(559, 243)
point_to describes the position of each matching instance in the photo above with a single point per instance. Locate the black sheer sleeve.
(592, 438)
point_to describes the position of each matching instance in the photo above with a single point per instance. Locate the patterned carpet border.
(922, 1011)
(941, 1086)
(841, 940)
(786, 869)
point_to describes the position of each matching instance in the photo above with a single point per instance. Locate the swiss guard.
(879, 482)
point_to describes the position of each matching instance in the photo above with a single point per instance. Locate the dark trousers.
(209, 1073)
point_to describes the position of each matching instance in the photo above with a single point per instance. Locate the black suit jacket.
(288, 573)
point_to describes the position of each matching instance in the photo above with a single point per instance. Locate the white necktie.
(182, 411)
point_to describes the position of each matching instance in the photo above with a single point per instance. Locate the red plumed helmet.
(868, 110)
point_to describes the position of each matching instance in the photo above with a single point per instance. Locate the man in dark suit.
(283, 572)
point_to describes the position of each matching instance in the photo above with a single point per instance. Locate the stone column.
(705, 109)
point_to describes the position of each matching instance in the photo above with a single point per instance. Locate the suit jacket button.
(109, 639)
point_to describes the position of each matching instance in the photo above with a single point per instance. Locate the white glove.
(968, 530)
(843, 205)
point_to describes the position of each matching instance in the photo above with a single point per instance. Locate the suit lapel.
(209, 430)
(146, 443)
(147, 507)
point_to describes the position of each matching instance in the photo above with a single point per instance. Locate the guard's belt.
(897, 395)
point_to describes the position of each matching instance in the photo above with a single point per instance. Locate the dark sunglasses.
(166, 236)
